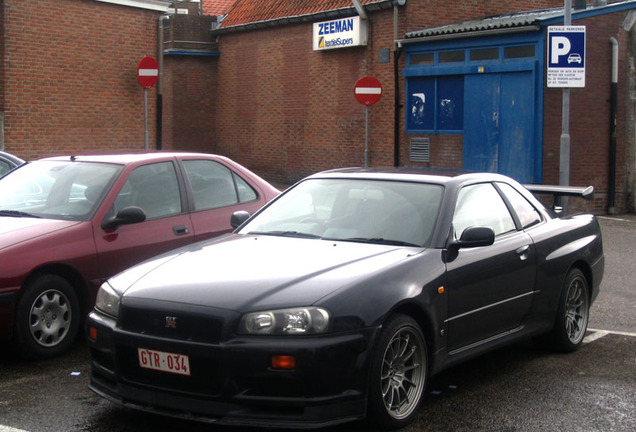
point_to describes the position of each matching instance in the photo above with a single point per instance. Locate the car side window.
(245, 191)
(214, 185)
(481, 205)
(154, 188)
(528, 215)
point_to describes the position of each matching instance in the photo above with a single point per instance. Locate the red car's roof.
(129, 157)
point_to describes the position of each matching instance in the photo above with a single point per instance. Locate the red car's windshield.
(56, 190)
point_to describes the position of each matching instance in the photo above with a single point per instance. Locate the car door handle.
(180, 230)
(523, 252)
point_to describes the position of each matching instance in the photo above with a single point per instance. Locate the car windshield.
(370, 211)
(55, 189)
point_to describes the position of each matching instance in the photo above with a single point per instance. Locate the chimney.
(580, 4)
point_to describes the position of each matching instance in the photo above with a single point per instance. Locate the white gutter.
(359, 9)
(614, 44)
(155, 5)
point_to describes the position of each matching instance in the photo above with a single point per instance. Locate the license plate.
(164, 361)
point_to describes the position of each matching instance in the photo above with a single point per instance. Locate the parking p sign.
(566, 56)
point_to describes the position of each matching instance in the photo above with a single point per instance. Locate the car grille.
(176, 322)
(184, 329)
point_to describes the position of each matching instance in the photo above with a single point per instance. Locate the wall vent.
(420, 149)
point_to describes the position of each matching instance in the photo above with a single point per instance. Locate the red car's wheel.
(47, 317)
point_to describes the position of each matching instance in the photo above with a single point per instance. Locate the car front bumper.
(233, 382)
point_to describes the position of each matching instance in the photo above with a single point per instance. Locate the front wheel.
(398, 373)
(47, 317)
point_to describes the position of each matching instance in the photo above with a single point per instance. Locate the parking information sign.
(566, 56)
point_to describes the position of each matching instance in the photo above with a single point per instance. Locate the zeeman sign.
(340, 33)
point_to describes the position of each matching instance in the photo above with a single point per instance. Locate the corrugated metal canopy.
(500, 22)
(517, 21)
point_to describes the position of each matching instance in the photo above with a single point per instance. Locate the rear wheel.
(573, 313)
(47, 317)
(398, 375)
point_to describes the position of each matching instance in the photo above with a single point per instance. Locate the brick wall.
(189, 103)
(70, 76)
(287, 111)
(268, 101)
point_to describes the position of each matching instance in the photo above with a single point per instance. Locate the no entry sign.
(148, 72)
(367, 90)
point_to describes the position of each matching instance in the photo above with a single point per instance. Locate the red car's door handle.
(180, 230)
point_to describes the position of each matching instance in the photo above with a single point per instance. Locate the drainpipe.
(162, 18)
(396, 106)
(359, 9)
(613, 113)
(396, 85)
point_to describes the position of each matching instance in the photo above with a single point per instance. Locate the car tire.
(572, 315)
(399, 372)
(47, 317)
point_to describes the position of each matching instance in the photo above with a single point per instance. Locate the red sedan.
(68, 223)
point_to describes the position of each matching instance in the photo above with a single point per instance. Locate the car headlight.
(293, 321)
(108, 300)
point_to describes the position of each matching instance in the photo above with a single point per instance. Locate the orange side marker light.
(283, 362)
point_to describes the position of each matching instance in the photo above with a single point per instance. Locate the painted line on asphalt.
(597, 334)
(615, 219)
(10, 429)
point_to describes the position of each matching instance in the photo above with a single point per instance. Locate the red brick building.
(68, 71)
(288, 110)
(250, 85)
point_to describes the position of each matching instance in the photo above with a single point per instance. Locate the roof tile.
(217, 7)
(251, 11)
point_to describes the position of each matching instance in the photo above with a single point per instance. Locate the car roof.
(129, 157)
(421, 175)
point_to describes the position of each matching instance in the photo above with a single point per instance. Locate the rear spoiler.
(561, 191)
(557, 191)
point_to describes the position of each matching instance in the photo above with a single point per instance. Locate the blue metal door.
(499, 124)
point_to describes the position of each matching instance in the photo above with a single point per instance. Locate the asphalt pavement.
(520, 388)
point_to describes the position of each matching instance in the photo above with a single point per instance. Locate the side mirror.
(125, 216)
(476, 236)
(472, 237)
(238, 218)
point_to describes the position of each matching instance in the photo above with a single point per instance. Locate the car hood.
(252, 272)
(15, 230)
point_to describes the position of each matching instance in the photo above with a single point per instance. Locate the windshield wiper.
(379, 240)
(17, 213)
(286, 234)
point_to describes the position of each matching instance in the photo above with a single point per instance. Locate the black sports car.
(338, 300)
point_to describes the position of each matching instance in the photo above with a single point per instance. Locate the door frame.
(415, 68)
